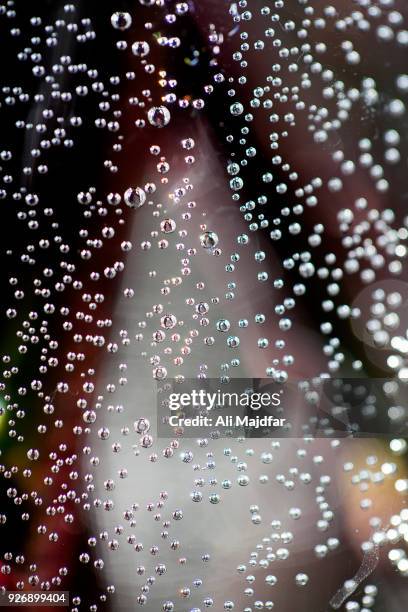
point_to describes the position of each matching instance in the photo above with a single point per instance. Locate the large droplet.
(159, 116)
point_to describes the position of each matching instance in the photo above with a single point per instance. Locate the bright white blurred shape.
(403, 374)
(388, 468)
(394, 361)
(398, 446)
(400, 344)
(401, 485)
(403, 565)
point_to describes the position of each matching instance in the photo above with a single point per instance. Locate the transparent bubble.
(159, 116)
(140, 48)
(134, 197)
(208, 240)
(121, 20)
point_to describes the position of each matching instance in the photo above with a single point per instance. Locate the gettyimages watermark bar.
(259, 408)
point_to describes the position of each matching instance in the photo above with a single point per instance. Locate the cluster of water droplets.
(277, 89)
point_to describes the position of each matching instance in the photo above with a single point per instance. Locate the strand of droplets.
(330, 110)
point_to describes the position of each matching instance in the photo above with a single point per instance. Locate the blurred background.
(84, 505)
